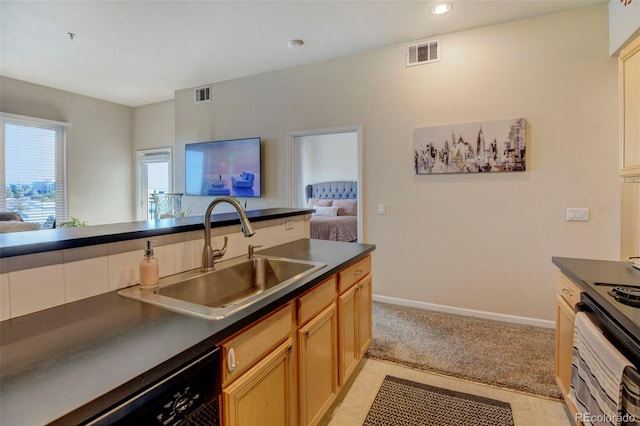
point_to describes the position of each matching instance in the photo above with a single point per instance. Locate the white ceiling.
(139, 52)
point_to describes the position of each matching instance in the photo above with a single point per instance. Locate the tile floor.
(353, 402)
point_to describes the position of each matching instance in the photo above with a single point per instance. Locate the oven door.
(627, 345)
(189, 396)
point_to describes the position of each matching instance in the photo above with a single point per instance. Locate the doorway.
(154, 176)
(326, 155)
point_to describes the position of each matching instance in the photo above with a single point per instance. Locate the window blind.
(34, 179)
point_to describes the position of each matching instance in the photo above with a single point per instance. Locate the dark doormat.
(401, 402)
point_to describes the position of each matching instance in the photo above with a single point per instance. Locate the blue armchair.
(244, 181)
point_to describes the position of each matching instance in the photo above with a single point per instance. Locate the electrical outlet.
(382, 209)
(575, 213)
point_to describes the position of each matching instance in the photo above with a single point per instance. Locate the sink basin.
(234, 285)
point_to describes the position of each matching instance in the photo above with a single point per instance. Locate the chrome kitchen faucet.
(210, 255)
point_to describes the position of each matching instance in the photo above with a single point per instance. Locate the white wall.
(324, 158)
(481, 242)
(154, 126)
(99, 156)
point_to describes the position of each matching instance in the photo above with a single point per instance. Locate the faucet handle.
(217, 254)
(250, 250)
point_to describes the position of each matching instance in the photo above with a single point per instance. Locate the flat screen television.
(229, 167)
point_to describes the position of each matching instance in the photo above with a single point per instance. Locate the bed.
(336, 205)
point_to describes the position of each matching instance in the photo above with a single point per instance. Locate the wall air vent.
(423, 52)
(203, 94)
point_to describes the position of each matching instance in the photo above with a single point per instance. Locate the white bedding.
(334, 228)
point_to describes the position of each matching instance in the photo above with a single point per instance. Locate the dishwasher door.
(188, 396)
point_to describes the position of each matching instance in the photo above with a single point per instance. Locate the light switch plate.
(382, 209)
(575, 213)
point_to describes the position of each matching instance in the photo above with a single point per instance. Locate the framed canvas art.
(484, 147)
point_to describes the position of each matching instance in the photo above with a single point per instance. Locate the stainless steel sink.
(234, 285)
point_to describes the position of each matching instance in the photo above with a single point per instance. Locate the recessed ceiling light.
(441, 8)
(294, 44)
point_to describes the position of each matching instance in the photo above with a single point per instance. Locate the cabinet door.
(348, 347)
(629, 64)
(565, 317)
(266, 391)
(364, 333)
(318, 365)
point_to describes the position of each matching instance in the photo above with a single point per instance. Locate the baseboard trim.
(467, 312)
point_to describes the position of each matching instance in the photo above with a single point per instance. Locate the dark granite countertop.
(29, 242)
(69, 363)
(596, 276)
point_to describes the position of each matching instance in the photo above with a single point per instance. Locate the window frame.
(62, 195)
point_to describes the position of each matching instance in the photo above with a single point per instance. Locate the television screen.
(223, 168)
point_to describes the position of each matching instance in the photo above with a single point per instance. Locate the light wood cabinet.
(566, 299)
(629, 68)
(318, 365)
(285, 368)
(364, 298)
(348, 344)
(258, 373)
(266, 391)
(354, 316)
(244, 349)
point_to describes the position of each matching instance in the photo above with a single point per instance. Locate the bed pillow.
(326, 211)
(319, 202)
(346, 207)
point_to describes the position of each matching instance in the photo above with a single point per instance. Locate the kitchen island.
(66, 364)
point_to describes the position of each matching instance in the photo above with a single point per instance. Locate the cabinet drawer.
(244, 350)
(352, 274)
(568, 290)
(315, 300)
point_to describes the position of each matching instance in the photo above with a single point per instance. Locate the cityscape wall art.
(484, 147)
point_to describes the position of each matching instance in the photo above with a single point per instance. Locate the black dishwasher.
(187, 397)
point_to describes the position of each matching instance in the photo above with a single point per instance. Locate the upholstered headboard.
(335, 190)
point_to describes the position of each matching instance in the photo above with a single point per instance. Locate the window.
(154, 175)
(33, 178)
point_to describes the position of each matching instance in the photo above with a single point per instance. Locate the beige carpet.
(512, 356)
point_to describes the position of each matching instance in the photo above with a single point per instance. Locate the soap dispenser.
(149, 271)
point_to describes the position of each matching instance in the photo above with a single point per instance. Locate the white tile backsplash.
(35, 289)
(124, 269)
(185, 259)
(86, 278)
(166, 256)
(5, 305)
(30, 290)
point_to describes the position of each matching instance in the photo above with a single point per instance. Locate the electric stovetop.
(619, 287)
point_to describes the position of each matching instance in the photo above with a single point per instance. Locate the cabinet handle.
(357, 272)
(231, 360)
(567, 292)
(290, 347)
(306, 333)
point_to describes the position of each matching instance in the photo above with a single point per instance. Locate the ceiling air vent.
(423, 52)
(203, 94)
